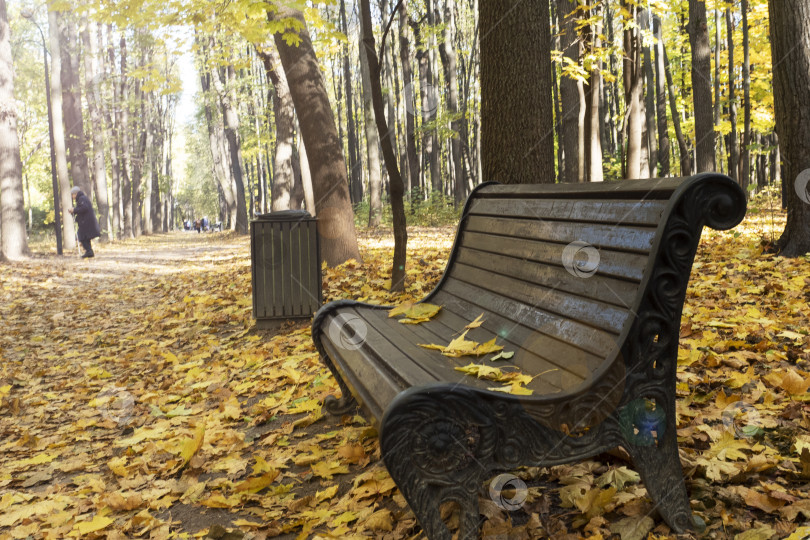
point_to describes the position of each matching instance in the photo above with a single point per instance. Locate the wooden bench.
(586, 284)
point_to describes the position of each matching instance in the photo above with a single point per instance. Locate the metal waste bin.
(285, 266)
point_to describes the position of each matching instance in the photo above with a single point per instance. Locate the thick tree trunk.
(746, 144)
(372, 145)
(790, 42)
(328, 168)
(661, 100)
(71, 103)
(733, 150)
(99, 168)
(59, 145)
(284, 114)
(397, 187)
(633, 87)
(141, 125)
(13, 237)
(518, 141)
(569, 94)
(718, 107)
(701, 85)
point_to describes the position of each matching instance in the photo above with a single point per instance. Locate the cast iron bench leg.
(439, 447)
(657, 461)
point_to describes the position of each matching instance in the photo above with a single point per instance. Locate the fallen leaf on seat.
(515, 388)
(503, 355)
(415, 313)
(476, 323)
(461, 346)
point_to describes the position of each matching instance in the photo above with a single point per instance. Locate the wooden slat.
(512, 312)
(443, 367)
(653, 188)
(591, 312)
(619, 264)
(591, 211)
(287, 269)
(596, 287)
(277, 269)
(563, 366)
(633, 238)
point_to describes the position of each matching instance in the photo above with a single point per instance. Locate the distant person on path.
(86, 218)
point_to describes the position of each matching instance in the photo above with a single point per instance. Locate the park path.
(137, 398)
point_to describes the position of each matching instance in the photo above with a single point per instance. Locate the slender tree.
(633, 90)
(733, 151)
(13, 239)
(372, 145)
(59, 145)
(746, 143)
(661, 99)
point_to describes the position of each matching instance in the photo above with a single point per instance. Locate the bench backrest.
(560, 270)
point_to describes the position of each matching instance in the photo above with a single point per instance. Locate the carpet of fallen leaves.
(138, 400)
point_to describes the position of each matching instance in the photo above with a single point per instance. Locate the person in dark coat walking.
(86, 218)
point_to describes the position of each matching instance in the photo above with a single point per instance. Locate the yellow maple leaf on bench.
(415, 313)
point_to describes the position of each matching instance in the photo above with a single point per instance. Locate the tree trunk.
(112, 132)
(518, 141)
(355, 164)
(569, 94)
(372, 145)
(701, 85)
(306, 177)
(593, 141)
(13, 238)
(328, 168)
(71, 103)
(141, 125)
(407, 82)
(746, 150)
(149, 119)
(448, 56)
(230, 120)
(733, 151)
(683, 148)
(218, 156)
(650, 103)
(91, 75)
(60, 147)
(661, 100)
(284, 114)
(717, 104)
(397, 187)
(126, 156)
(634, 118)
(790, 42)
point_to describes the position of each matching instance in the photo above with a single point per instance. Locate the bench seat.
(585, 283)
